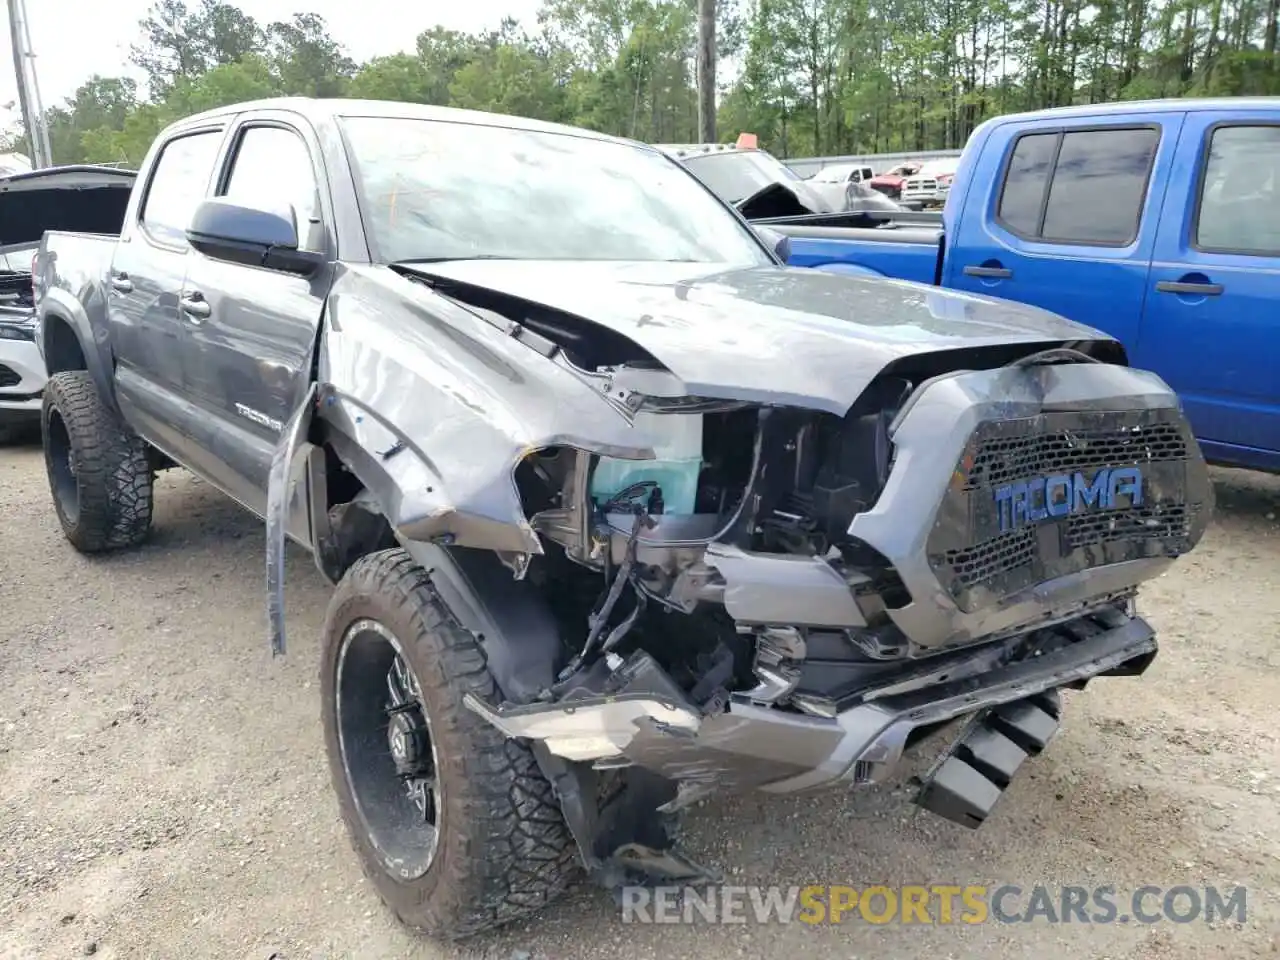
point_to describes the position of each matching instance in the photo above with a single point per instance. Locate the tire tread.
(514, 854)
(113, 472)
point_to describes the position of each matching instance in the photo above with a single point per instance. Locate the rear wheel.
(99, 472)
(453, 823)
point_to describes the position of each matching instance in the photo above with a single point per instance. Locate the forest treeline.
(809, 77)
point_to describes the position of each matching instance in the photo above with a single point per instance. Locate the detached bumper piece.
(965, 785)
(624, 747)
(635, 717)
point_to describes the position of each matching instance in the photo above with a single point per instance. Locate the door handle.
(121, 283)
(195, 306)
(999, 273)
(1195, 289)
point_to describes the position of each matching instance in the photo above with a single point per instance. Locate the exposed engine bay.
(744, 523)
(733, 482)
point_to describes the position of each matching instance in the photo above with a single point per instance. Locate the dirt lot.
(163, 790)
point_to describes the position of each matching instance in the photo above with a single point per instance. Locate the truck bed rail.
(861, 218)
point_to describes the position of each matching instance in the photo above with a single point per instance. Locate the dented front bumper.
(646, 722)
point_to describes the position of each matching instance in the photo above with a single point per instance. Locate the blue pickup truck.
(1157, 222)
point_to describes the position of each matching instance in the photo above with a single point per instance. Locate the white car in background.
(81, 199)
(932, 183)
(843, 173)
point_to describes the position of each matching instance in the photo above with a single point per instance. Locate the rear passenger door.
(1069, 222)
(254, 327)
(148, 337)
(1212, 322)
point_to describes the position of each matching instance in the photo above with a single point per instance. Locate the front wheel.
(453, 823)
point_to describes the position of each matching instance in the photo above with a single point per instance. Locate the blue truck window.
(1079, 186)
(1025, 182)
(1240, 192)
(1099, 184)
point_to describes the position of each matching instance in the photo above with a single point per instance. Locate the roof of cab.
(322, 110)
(1170, 105)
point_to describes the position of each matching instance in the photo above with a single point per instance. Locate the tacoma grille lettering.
(1030, 501)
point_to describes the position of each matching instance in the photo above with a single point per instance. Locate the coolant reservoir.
(677, 444)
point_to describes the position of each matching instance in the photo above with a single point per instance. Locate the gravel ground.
(163, 790)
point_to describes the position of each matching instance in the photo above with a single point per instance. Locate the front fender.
(433, 408)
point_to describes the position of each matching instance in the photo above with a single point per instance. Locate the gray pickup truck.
(620, 511)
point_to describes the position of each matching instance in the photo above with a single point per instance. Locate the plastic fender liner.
(277, 508)
(509, 618)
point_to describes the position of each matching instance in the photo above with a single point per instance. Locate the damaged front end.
(684, 590)
(792, 598)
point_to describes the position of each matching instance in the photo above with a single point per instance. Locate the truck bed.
(71, 271)
(81, 258)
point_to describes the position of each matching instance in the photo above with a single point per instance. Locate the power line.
(24, 68)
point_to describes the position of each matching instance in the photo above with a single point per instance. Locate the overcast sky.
(74, 39)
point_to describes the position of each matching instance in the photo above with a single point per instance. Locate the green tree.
(402, 76)
(307, 61)
(250, 78)
(182, 43)
(512, 79)
(813, 76)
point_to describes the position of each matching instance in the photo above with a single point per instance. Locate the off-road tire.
(503, 851)
(112, 474)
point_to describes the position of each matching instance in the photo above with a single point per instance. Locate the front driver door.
(254, 327)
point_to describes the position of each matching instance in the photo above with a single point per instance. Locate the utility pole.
(24, 69)
(707, 71)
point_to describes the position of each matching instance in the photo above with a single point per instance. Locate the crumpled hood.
(771, 334)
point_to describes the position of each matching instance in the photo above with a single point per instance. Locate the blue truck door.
(1211, 326)
(1062, 215)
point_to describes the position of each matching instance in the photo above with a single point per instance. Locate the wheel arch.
(67, 342)
(349, 508)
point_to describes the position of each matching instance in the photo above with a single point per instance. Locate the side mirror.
(226, 230)
(779, 243)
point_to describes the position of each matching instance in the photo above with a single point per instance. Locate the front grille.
(8, 377)
(979, 556)
(1005, 459)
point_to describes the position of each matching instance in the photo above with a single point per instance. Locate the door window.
(1239, 209)
(1078, 186)
(271, 165)
(179, 182)
(1025, 181)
